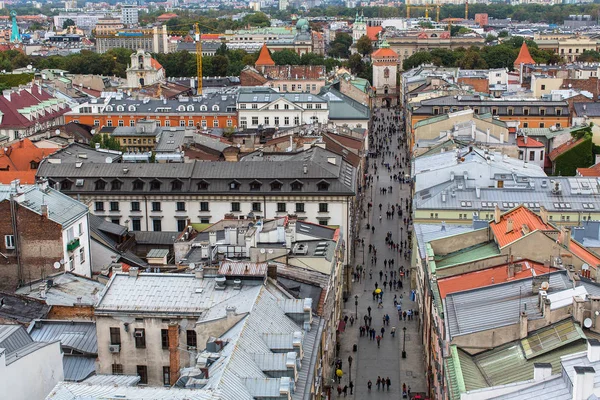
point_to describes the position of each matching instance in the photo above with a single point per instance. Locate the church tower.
(359, 28)
(385, 72)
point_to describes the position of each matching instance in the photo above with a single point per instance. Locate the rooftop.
(524, 141)
(67, 289)
(517, 223)
(466, 255)
(77, 152)
(21, 309)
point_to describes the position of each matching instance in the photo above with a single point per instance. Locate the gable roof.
(264, 58)
(28, 97)
(373, 32)
(531, 142)
(524, 57)
(520, 217)
(568, 145)
(594, 170)
(18, 157)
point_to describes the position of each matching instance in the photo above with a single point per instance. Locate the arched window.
(181, 108)
(215, 108)
(386, 73)
(131, 108)
(120, 108)
(190, 108)
(203, 107)
(109, 108)
(100, 184)
(141, 61)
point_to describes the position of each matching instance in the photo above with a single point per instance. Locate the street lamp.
(404, 342)
(356, 302)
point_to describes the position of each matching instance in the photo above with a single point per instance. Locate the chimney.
(544, 214)
(523, 325)
(199, 273)
(501, 138)
(509, 225)
(511, 268)
(487, 135)
(565, 236)
(212, 238)
(541, 371)
(134, 271)
(593, 350)
(525, 139)
(44, 210)
(497, 214)
(583, 383)
(272, 271)
(174, 361)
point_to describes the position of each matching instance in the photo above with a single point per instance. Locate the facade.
(171, 344)
(27, 110)
(144, 70)
(107, 25)
(359, 28)
(214, 110)
(531, 151)
(154, 40)
(316, 185)
(569, 47)
(28, 369)
(82, 20)
(129, 14)
(385, 75)
(269, 109)
(42, 226)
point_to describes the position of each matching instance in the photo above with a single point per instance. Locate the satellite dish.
(30, 66)
(587, 323)
(597, 313)
(585, 267)
(192, 265)
(544, 286)
(262, 251)
(93, 131)
(56, 265)
(270, 251)
(108, 160)
(57, 131)
(62, 260)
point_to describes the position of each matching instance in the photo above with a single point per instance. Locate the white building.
(144, 70)
(267, 108)
(129, 14)
(82, 20)
(28, 369)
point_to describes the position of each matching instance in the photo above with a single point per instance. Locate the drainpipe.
(146, 206)
(13, 217)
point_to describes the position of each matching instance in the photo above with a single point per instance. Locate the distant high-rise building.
(129, 14)
(283, 4)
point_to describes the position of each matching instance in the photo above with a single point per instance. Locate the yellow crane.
(198, 59)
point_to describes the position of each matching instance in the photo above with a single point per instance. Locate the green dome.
(302, 23)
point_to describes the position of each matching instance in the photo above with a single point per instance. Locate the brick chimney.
(544, 214)
(497, 214)
(509, 225)
(174, 361)
(565, 237)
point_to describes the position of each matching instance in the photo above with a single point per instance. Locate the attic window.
(176, 185)
(234, 185)
(138, 185)
(190, 108)
(323, 186)
(155, 185)
(100, 184)
(296, 186)
(34, 165)
(276, 185)
(116, 185)
(202, 185)
(120, 108)
(203, 108)
(255, 185)
(66, 185)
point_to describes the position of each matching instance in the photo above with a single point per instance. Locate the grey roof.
(76, 152)
(101, 232)
(13, 337)
(78, 368)
(321, 165)
(315, 230)
(226, 104)
(156, 238)
(577, 194)
(133, 131)
(84, 391)
(118, 380)
(425, 233)
(76, 335)
(105, 226)
(62, 209)
(495, 306)
(343, 107)
(267, 95)
(21, 309)
(171, 140)
(588, 109)
(67, 289)
(210, 142)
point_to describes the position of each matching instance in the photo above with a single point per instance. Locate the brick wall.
(251, 78)
(39, 241)
(68, 313)
(480, 85)
(591, 85)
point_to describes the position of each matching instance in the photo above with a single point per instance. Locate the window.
(117, 369)
(121, 123)
(115, 335)
(286, 106)
(96, 122)
(281, 207)
(286, 121)
(182, 123)
(109, 123)
(100, 185)
(191, 122)
(181, 206)
(542, 155)
(494, 111)
(542, 125)
(256, 207)
(116, 185)
(323, 207)
(135, 206)
(543, 88)
(140, 338)
(168, 122)
(276, 185)
(114, 206)
(235, 206)
(181, 224)
(65, 185)
(255, 185)
(296, 186)
(254, 120)
(205, 220)
(299, 207)
(99, 206)
(167, 376)
(309, 106)
(525, 111)
(525, 124)
(164, 338)
(296, 121)
(215, 123)
(234, 185)
(202, 185)
(115, 221)
(323, 222)
(142, 372)
(542, 111)
(138, 185)
(276, 121)
(131, 122)
(318, 106)
(192, 339)
(156, 225)
(242, 106)
(558, 111)
(511, 111)
(9, 241)
(136, 225)
(156, 206)
(176, 185)
(266, 120)
(204, 206)
(436, 110)
(80, 229)
(155, 185)
(322, 186)
(81, 255)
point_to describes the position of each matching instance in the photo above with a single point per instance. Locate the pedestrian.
(339, 389)
(393, 331)
(388, 382)
(345, 390)
(378, 338)
(382, 331)
(369, 385)
(378, 383)
(351, 320)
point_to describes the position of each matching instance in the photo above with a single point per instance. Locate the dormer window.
(100, 184)
(215, 108)
(34, 165)
(296, 186)
(155, 185)
(176, 186)
(131, 108)
(190, 108)
(120, 108)
(109, 108)
(66, 185)
(138, 185)
(255, 185)
(323, 186)
(202, 185)
(234, 185)
(181, 108)
(276, 186)
(203, 107)
(116, 185)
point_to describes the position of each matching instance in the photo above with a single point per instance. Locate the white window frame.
(9, 242)
(81, 255)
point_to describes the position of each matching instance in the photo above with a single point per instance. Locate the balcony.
(73, 244)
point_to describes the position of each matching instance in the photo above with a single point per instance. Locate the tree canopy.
(364, 45)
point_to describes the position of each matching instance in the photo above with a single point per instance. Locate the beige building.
(568, 46)
(153, 40)
(107, 25)
(542, 84)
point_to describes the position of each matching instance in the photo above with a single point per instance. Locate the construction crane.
(198, 59)
(466, 9)
(437, 11)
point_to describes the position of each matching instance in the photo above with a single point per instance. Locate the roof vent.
(237, 284)
(220, 282)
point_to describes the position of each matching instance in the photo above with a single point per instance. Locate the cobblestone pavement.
(369, 361)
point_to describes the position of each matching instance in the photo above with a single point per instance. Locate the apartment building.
(153, 40)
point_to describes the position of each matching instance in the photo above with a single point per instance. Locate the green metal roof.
(431, 120)
(473, 253)
(547, 133)
(550, 338)
(471, 374)
(451, 379)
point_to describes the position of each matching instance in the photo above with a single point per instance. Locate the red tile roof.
(384, 52)
(531, 142)
(490, 276)
(155, 64)
(22, 98)
(594, 170)
(373, 31)
(524, 57)
(264, 58)
(523, 220)
(19, 156)
(584, 254)
(26, 177)
(568, 145)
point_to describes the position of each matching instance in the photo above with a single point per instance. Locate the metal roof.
(117, 380)
(84, 391)
(466, 255)
(13, 337)
(157, 253)
(170, 140)
(67, 289)
(225, 102)
(241, 268)
(78, 368)
(76, 335)
(426, 233)
(22, 309)
(495, 306)
(77, 152)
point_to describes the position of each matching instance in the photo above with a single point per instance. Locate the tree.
(421, 57)
(340, 47)
(364, 45)
(589, 56)
(426, 24)
(503, 34)
(258, 19)
(105, 141)
(355, 63)
(286, 57)
(220, 65)
(68, 22)
(222, 50)
(499, 56)
(311, 59)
